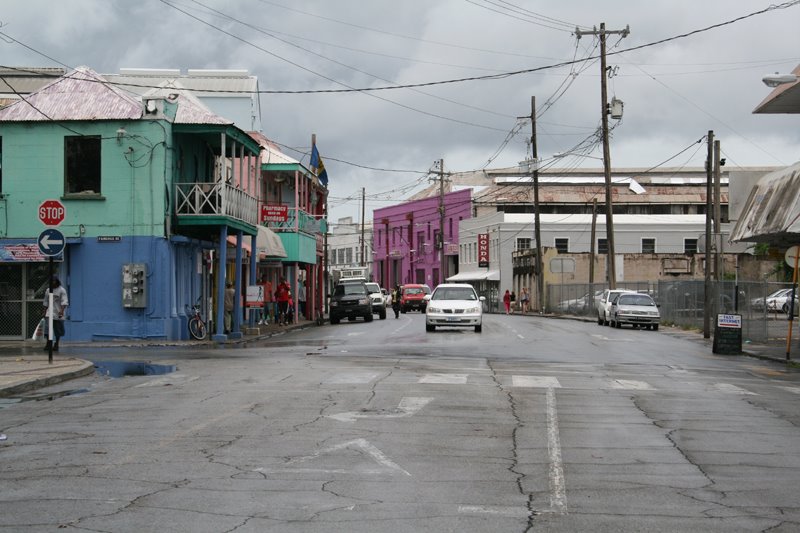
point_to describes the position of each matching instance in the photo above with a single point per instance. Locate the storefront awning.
(268, 243)
(491, 275)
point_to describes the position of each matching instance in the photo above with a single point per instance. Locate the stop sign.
(52, 212)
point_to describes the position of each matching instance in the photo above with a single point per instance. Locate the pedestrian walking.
(301, 298)
(507, 300)
(230, 296)
(282, 294)
(60, 304)
(525, 298)
(268, 300)
(513, 302)
(396, 301)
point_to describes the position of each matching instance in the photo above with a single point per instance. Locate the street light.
(776, 79)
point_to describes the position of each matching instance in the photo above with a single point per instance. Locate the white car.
(635, 309)
(378, 302)
(454, 305)
(604, 305)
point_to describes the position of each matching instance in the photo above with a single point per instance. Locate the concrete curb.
(84, 369)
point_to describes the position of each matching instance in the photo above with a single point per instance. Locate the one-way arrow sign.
(51, 242)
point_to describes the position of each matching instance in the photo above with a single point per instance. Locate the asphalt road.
(535, 424)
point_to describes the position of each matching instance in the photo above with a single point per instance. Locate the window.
(690, 246)
(562, 245)
(82, 164)
(349, 256)
(421, 242)
(602, 246)
(648, 246)
(523, 243)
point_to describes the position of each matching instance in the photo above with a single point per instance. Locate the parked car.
(581, 305)
(636, 309)
(604, 305)
(350, 300)
(412, 296)
(760, 303)
(454, 305)
(378, 303)
(781, 301)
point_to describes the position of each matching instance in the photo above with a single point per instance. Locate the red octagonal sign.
(52, 212)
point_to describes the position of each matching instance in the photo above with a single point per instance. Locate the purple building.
(407, 244)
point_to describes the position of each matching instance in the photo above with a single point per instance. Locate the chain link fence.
(764, 306)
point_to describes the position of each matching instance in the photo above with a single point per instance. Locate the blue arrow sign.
(51, 242)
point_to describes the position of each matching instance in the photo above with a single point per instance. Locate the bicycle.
(197, 328)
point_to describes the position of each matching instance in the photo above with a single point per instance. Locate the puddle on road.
(118, 369)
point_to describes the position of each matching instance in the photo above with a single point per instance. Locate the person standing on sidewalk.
(301, 298)
(230, 295)
(268, 305)
(507, 301)
(282, 294)
(60, 304)
(525, 299)
(513, 301)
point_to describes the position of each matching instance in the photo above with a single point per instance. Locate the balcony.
(299, 220)
(215, 204)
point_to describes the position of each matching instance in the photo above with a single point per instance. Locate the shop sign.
(483, 250)
(274, 213)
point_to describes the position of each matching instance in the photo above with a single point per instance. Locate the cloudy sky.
(386, 141)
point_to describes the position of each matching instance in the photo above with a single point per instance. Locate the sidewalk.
(24, 367)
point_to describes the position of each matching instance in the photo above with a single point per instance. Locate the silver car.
(635, 309)
(454, 305)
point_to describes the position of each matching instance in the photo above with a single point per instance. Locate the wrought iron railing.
(215, 199)
(299, 220)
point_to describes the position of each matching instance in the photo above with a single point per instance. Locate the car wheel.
(478, 328)
(617, 324)
(430, 327)
(351, 319)
(655, 327)
(785, 308)
(382, 314)
(367, 318)
(599, 320)
(403, 310)
(334, 320)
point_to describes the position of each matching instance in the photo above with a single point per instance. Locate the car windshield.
(413, 290)
(454, 293)
(348, 288)
(635, 299)
(373, 287)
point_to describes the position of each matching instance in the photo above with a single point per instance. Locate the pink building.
(407, 244)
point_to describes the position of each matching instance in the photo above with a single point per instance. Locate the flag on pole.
(316, 163)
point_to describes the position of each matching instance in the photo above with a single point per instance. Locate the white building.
(345, 248)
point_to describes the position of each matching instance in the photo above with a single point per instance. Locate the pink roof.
(79, 95)
(190, 109)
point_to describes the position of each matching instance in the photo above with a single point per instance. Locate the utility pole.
(537, 229)
(442, 265)
(717, 215)
(602, 32)
(363, 202)
(707, 284)
(592, 246)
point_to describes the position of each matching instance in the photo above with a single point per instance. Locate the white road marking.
(407, 407)
(731, 389)
(351, 377)
(628, 384)
(355, 333)
(520, 336)
(451, 379)
(362, 444)
(493, 510)
(795, 390)
(540, 382)
(604, 338)
(558, 493)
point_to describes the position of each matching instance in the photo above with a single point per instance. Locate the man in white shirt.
(60, 303)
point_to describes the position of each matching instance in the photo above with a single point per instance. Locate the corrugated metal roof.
(140, 81)
(772, 211)
(79, 95)
(271, 154)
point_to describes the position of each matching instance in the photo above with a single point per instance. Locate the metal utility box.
(134, 285)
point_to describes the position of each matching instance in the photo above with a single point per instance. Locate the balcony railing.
(215, 199)
(299, 220)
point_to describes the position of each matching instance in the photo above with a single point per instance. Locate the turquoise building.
(153, 188)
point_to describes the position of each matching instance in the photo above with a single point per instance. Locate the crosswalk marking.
(451, 379)
(795, 390)
(731, 389)
(352, 377)
(539, 382)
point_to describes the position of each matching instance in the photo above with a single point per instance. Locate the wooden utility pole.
(363, 202)
(717, 216)
(537, 228)
(592, 245)
(707, 284)
(442, 265)
(602, 32)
